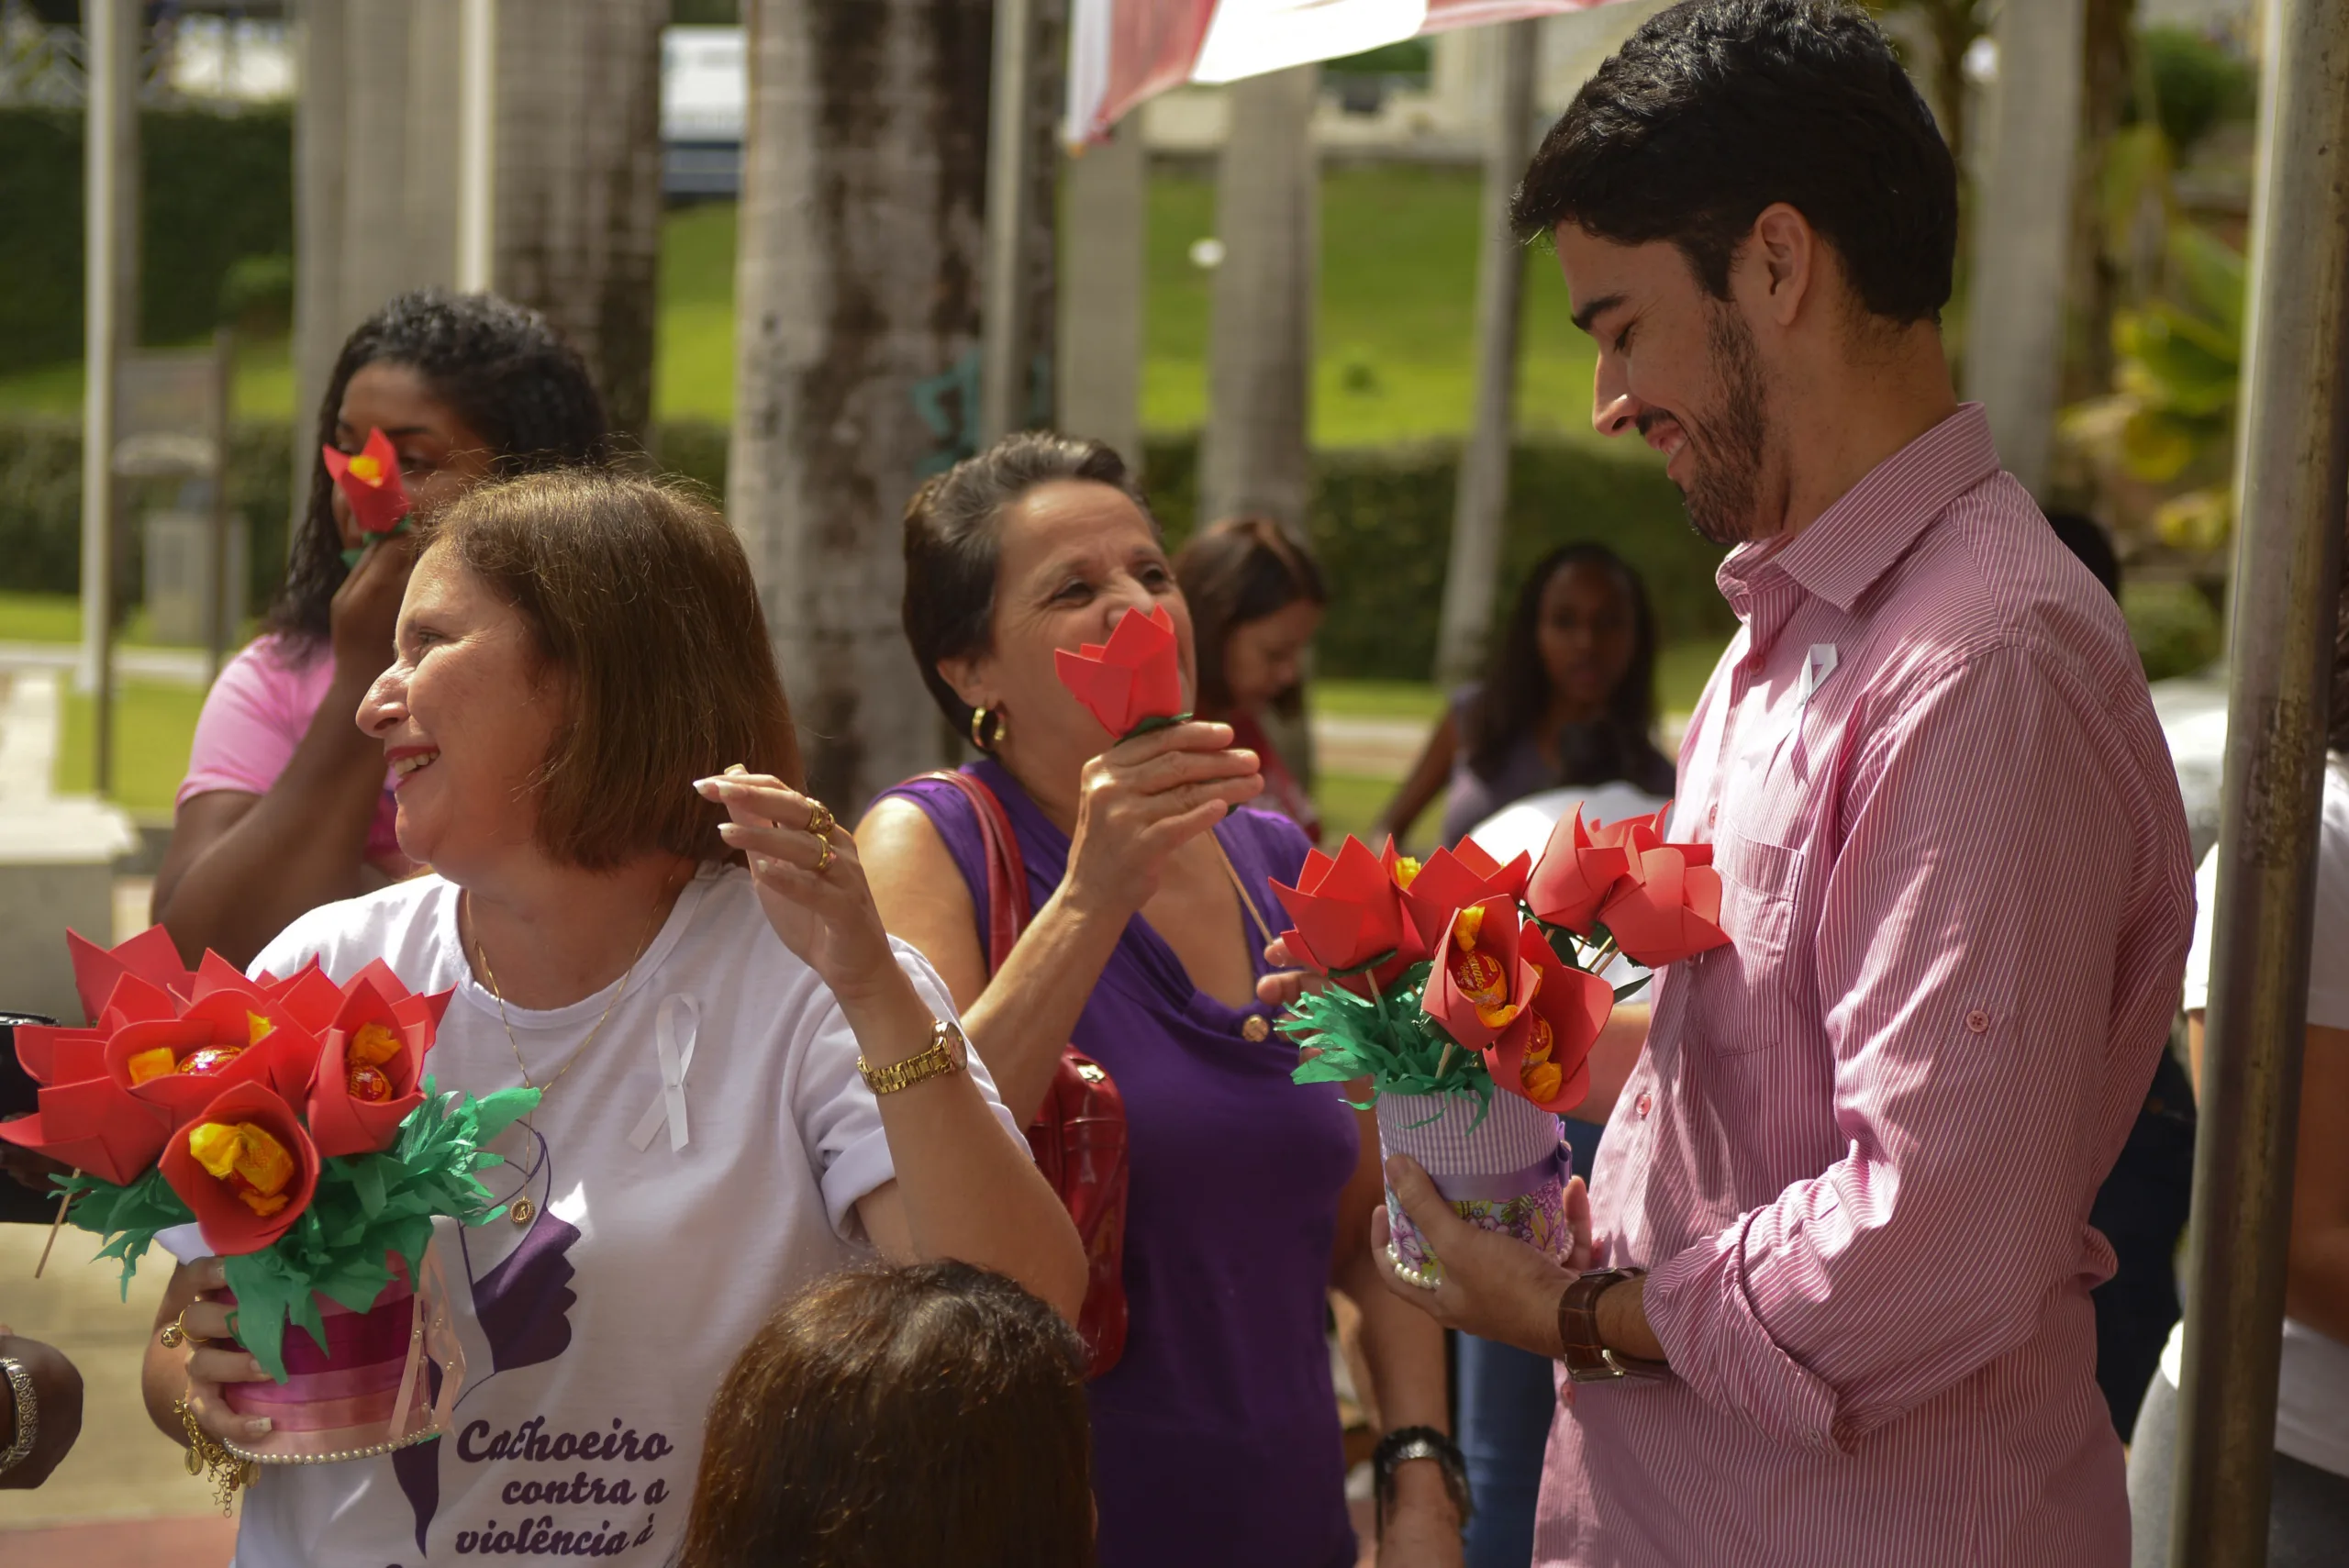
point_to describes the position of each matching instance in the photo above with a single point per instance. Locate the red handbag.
(1079, 1133)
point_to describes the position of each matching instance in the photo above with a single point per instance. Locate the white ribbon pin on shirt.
(669, 1101)
(1817, 668)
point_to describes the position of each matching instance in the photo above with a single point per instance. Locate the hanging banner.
(1123, 51)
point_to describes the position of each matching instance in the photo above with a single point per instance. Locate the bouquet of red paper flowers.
(1460, 975)
(292, 1124)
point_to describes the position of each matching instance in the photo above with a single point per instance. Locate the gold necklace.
(521, 1209)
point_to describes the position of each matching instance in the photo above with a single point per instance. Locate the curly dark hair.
(500, 367)
(1516, 692)
(1716, 109)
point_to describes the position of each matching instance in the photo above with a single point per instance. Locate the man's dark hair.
(1715, 109)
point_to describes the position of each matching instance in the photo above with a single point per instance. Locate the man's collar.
(1847, 547)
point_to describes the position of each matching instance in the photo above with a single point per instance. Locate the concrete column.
(373, 182)
(1105, 211)
(1256, 455)
(2014, 338)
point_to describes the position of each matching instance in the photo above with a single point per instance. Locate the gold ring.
(820, 820)
(174, 1332)
(823, 855)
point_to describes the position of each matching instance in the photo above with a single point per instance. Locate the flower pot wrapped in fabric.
(289, 1128)
(365, 1386)
(1468, 994)
(1506, 1172)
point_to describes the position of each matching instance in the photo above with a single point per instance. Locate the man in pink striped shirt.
(1840, 1214)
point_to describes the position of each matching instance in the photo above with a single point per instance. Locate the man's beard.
(1723, 493)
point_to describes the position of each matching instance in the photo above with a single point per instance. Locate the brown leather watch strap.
(1585, 1354)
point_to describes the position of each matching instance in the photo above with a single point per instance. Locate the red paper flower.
(370, 479)
(1482, 983)
(1134, 677)
(1451, 879)
(1348, 912)
(149, 957)
(181, 1064)
(1667, 906)
(1545, 1055)
(92, 1123)
(236, 1207)
(371, 1069)
(1575, 875)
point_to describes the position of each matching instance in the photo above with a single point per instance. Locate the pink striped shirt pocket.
(1761, 900)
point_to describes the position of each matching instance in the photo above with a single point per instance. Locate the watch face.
(958, 1046)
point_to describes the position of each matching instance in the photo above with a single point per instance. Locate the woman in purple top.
(1215, 1436)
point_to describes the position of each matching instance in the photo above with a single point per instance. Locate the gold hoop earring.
(982, 736)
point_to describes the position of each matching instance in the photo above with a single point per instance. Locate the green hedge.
(40, 507)
(216, 189)
(1381, 525)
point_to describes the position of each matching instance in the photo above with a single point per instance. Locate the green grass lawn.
(1394, 349)
(154, 726)
(57, 617)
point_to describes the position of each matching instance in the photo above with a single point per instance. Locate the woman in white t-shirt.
(579, 658)
(2309, 1510)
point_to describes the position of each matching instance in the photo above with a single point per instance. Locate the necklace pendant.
(522, 1210)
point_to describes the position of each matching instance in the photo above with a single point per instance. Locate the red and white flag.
(1122, 51)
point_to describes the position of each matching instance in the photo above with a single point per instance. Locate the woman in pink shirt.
(286, 805)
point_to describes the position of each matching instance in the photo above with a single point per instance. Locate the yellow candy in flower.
(1406, 870)
(256, 1167)
(257, 1029)
(159, 1062)
(371, 1047)
(1482, 978)
(1538, 1042)
(1542, 1081)
(365, 467)
(370, 1084)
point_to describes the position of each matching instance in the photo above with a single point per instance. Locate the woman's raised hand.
(1145, 797)
(366, 607)
(809, 880)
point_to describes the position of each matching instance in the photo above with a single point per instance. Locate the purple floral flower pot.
(1507, 1174)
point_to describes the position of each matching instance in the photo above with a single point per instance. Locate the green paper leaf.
(367, 1180)
(494, 1113)
(1625, 992)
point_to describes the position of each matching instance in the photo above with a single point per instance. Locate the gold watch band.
(944, 1054)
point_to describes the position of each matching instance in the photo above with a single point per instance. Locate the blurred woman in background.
(1569, 699)
(1256, 599)
(890, 1415)
(286, 805)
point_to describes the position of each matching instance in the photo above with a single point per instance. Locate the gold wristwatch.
(948, 1052)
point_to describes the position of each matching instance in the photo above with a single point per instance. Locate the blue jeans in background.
(1506, 1398)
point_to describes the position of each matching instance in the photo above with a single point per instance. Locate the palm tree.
(857, 304)
(578, 188)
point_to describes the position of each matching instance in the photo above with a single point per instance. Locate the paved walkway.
(172, 666)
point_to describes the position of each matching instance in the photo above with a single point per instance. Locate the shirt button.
(1712, 814)
(1977, 1021)
(1255, 1031)
(1644, 1104)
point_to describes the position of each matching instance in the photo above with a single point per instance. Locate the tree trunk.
(320, 113)
(857, 299)
(1107, 209)
(1472, 576)
(2015, 319)
(1256, 458)
(2093, 272)
(578, 188)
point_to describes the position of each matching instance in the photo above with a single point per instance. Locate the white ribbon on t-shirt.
(669, 1101)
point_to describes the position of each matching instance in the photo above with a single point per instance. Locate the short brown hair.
(640, 595)
(889, 1416)
(954, 547)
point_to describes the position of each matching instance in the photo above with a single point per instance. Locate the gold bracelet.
(206, 1453)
